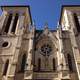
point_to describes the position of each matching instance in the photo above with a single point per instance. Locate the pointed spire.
(30, 27)
(34, 23)
(46, 25)
(58, 24)
(60, 30)
(33, 26)
(46, 30)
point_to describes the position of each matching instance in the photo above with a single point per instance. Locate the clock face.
(46, 50)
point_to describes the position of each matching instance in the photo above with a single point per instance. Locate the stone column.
(30, 51)
(29, 58)
(58, 53)
(29, 67)
(61, 59)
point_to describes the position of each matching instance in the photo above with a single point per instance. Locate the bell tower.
(14, 26)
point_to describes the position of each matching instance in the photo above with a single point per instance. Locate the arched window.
(15, 23)
(76, 22)
(8, 23)
(6, 67)
(23, 63)
(69, 62)
(54, 64)
(39, 64)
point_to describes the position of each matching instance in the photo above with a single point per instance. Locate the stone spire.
(34, 23)
(46, 25)
(34, 26)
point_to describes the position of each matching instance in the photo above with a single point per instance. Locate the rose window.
(46, 49)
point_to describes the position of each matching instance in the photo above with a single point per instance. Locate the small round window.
(5, 44)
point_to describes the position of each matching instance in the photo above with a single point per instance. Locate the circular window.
(5, 44)
(46, 49)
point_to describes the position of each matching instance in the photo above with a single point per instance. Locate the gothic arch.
(8, 23)
(23, 62)
(39, 64)
(45, 41)
(54, 64)
(69, 59)
(49, 35)
(6, 67)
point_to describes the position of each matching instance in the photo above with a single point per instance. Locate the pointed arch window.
(69, 58)
(23, 63)
(39, 64)
(54, 64)
(6, 67)
(15, 23)
(76, 22)
(8, 23)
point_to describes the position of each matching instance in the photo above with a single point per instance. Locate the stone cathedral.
(30, 54)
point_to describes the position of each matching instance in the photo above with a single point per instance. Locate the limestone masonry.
(30, 54)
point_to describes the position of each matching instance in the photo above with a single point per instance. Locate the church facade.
(30, 54)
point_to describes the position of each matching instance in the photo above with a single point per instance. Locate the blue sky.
(43, 11)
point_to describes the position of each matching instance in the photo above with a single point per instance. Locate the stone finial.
(46, 25)
(30, 28)
(34, 23)
(58, 24)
